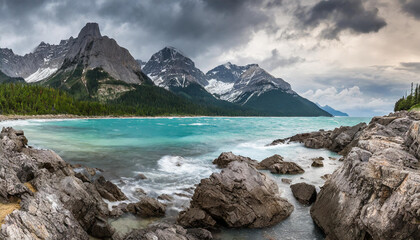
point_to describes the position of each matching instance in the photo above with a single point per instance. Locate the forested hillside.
(409, 101)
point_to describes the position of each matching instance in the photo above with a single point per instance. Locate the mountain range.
(95, 67)
(333, 111)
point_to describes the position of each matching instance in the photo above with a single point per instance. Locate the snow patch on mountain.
(40, 74)
(218, 87)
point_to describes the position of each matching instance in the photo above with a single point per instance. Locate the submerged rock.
(317, 163)
(375, 194)
(227, 157)
(237, 197)
(304, 193)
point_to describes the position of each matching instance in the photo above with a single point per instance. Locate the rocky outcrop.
(237, 197)
(147, 207)
(166, 231)
(276, 165)
(375, 194)
(304, 193)
(53, 202)
(227, 157)
(338, 140)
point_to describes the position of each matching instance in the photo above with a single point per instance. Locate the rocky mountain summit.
(375, 194)
(37, 65)
(169, 69)
(92, 50)
(89, 50)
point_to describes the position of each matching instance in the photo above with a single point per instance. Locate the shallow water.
(176, 153)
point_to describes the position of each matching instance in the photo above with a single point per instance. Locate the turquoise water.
(176, 153)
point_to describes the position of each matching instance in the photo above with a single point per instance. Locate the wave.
(180, 165)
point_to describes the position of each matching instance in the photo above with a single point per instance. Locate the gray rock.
(227, 157)
(286, 168)
(163, 231)
(61, 204)
(147, 207)
(304, 193)
(270, 161)
(375, 193)
(317, 163)
(286, 180)
(239, 196)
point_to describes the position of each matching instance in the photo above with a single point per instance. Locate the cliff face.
(375, 194)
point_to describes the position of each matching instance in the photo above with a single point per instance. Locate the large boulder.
(238, 197)
(270, 161)
(375, 194)
(227, 157)
(304, 193)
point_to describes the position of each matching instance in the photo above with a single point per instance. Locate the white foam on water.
(180, 165)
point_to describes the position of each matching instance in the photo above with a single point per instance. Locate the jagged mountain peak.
(90, 29)
(170, 68)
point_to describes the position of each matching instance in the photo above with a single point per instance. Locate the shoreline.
(4, 118)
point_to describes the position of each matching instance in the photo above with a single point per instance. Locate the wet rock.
(375, 193)
(101, 229)
(270, 161)
(109, 191)
(165, 197)
(141, 176)
(166, 231)
(317, 163)
(147, 207)
(139, 193)
(318, 158)
(239, 196)
(304, 193)
(326, 176)
(332, 158)
(286, 168)
(227, 157)
(286, 180)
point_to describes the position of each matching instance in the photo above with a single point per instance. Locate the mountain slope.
(251, 86)
(333, 111)
(37, 65)
(6, 79)
(96, 67)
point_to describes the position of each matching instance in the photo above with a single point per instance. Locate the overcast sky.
(358, 56)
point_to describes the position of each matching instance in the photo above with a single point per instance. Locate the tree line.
(409, 100)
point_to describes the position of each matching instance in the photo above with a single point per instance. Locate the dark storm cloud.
(194, 26)
(411, 7)
(338, 16)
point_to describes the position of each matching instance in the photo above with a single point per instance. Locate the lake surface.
(176, 153)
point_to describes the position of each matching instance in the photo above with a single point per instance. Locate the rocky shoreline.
(375, 194)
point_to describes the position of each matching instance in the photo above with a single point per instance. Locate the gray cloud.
(340, 15)
(410, 66)
(193, 26)
(277, 60)
(411, 7)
